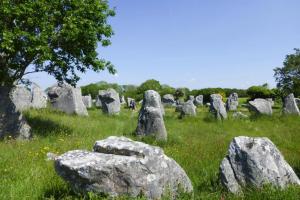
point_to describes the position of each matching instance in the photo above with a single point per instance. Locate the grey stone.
(110, 101)
(129, 99)
(87, 101)
(191, 98)
(119, 166)
(255, 162)
(39, 98)
(261, 106)
(297, 101)
(122, 100)
(150, 120)
(290, 105)
(168, 100)
(12, 122)
(208, 104)
(188, 109)
(239, 115)
(67, 99)
(198, 100)
(21, 96)
(232, 102)
(217, 107)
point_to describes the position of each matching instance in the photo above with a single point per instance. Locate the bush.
(260, 92)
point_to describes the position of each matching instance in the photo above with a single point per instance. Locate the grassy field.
(198, 144)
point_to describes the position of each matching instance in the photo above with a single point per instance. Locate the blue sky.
(198, 43)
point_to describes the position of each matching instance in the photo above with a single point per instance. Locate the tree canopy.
(288, 76)
(59, 37)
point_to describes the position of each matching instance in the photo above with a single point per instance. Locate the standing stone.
(12, 122)
(217, 107)
(67, 99)
(122, 100)
(168, 100)
(198, 100)
(297, 101)
(290, 105)
(150, 120)
(87, 101)
(110, 101)
(254, 162)
(98, 103)
(191, 98)
(21, 97)
(188, 108)
(119, 166)
(129, 100)
(39, 97)
(261, 106)
(232, 102)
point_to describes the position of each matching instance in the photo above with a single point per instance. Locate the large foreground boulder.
(12, 122)
(87, 101)
(188, 109)
(110, 101)
(261, 106)
(168, 100)
(232, 102)
(217, 107)
(290, 106)
(254, 162)
(119, 166)
(150, 120)
(68, 99)
(198, 100)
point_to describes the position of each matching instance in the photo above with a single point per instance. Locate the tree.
(260, 92)
(288, 76)
(151, 84)
(59, 37)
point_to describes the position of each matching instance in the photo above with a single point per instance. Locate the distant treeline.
(137, 92)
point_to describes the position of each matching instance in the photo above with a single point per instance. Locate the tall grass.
(198, 144)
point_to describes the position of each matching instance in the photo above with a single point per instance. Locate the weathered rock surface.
(255, 162)
(232, 102)
(217, 107)
(87, 101)
(119, 166)
(261, 106)
(150, 120)
(271, 101)
(129, 100)
(110, 101)
(26, 97)
(290, 105)
(98, 103)
(168, 100)
(188, 109)
(68, 99)
(191, 98)
(239, 115)
(198, 100)
(12, 122)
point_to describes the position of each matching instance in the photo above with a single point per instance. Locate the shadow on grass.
(44, 128)
(297, 171)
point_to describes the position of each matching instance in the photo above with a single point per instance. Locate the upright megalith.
(28, 96)
(290, 105)
(67, 99)
(119, 166)
(98, 102)
(255, 162)
(261, 106)
(12, 122)
(150, 120)
(198, 100)
(122, 100)
(168, 100)
(87, 101)
(110, 101)
(188, 109)
(232, 102)
(217, 107)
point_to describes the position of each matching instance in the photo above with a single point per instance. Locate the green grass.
(198, 144)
